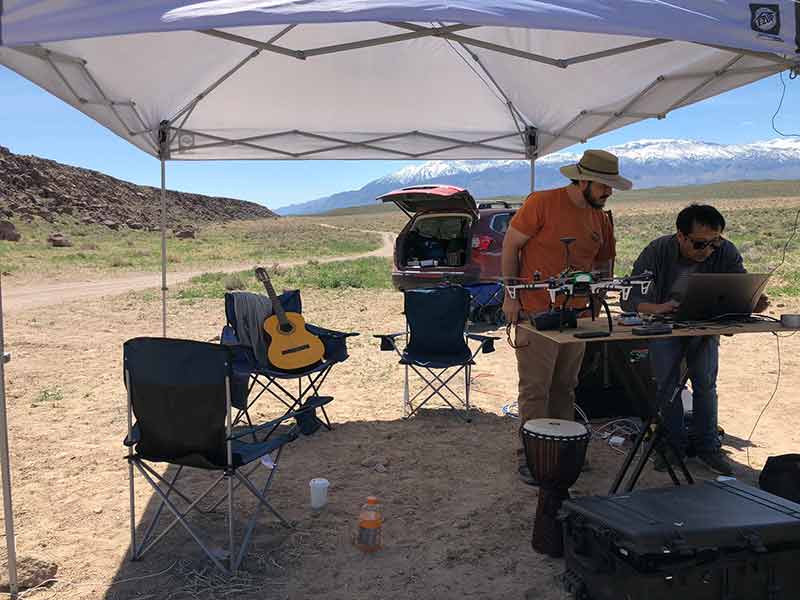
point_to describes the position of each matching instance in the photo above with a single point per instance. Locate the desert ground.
(458, 522)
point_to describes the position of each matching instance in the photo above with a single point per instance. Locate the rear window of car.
(442, 227)
(499, 222)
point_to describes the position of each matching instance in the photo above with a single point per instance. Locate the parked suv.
(448, 236)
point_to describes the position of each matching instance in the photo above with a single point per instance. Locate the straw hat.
(600, 166)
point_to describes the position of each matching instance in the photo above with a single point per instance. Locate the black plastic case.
(709, 541)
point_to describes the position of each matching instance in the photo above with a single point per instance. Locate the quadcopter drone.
(571, 284)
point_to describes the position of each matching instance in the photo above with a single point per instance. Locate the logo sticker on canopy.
(765, 18)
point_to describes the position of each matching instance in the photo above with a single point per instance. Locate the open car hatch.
(414, 199)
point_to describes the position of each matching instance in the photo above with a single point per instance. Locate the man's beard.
(587, 195)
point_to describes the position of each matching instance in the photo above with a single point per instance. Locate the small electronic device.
(652, 329)
(590, 334)
(630, 319)
(556, 319)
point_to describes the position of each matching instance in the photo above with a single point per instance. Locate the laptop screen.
(713, 295)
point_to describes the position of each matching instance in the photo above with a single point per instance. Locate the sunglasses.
(703, 244)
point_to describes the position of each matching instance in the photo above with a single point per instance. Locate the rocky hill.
(36, 187)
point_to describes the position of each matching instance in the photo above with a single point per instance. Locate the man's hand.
(762, 304)
(659, 309)
(511, 308)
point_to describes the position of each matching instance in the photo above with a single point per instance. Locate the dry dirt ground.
(458, 522)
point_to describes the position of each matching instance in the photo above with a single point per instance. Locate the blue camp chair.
(436, 345)
(253, 376)
(486, 302)
(180, 397)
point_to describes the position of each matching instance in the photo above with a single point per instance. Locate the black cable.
(783, 254)
(788, 241)
(766, 406)
(792, 75)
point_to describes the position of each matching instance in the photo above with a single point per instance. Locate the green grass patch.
(686, 194)
(371, 272)
(760, 234)
(99, 249)
(51, 396)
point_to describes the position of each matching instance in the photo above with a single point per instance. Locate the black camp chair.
(252, 372)
(437, 342)
(179, 393)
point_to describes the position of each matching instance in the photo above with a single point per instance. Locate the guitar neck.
(276, 303)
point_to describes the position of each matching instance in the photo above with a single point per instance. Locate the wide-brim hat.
(599, 166)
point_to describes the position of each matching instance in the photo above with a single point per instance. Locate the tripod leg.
(654, 435)
(629, 458)
(659, 441)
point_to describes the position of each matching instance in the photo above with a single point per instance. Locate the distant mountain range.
(649, 163)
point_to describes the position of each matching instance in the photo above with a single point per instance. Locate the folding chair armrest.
(134, 437)
(249, 431)
(244, 359)
(388, 340)
(330, 332)
(487, 341)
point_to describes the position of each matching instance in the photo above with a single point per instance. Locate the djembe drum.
(555, 451)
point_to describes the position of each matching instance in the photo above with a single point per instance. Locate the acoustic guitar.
(291, 347)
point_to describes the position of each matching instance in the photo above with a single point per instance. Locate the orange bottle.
(370, 521)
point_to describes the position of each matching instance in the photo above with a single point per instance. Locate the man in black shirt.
(696, 247)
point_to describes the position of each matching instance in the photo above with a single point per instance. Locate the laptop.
(713, 295)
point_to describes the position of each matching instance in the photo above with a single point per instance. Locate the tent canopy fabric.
(374, 79)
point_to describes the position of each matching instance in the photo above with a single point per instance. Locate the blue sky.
(33, 122)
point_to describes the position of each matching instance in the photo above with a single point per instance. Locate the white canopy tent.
(381, 79)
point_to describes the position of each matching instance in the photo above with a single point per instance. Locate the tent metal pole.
(533, 175)
(5, 463)
(163, 248)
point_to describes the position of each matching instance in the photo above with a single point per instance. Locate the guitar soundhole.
(287, 328)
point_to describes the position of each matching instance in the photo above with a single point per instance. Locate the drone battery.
(556, 319)
(585, 335)
(653, 329)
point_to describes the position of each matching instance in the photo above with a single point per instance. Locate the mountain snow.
(647, 162)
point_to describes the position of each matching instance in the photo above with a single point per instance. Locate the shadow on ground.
(458, 522)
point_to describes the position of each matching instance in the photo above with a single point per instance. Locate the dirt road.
(46, 294)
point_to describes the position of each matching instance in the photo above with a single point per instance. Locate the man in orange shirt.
(548, 373)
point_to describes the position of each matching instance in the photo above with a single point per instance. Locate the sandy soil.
(458, 522)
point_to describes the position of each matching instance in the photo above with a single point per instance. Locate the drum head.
(555, 428)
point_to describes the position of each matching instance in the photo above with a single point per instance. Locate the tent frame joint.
(531, 142)
(163, 140)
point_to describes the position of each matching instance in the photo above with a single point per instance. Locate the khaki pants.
(548, 374)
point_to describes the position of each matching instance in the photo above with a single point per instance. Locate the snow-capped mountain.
(649, 163)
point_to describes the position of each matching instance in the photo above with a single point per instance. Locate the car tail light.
(481, 242)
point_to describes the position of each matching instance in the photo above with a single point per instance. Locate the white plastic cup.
(319, 492)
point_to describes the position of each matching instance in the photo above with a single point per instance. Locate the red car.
(448, 237)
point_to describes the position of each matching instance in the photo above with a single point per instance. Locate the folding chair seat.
(435, 346)
(253, 375)
(179, 393)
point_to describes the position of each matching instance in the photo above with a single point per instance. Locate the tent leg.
(533, 174)
(8, 511)
(163, 249)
